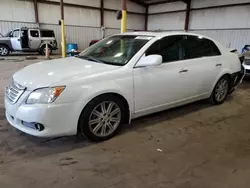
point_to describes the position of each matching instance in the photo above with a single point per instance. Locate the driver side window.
(170, 48)
(15, 33)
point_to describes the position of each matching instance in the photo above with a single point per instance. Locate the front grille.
(14, 92)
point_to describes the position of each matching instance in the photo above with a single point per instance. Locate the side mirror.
(151, 60)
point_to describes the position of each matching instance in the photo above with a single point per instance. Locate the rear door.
(34, 39)
(203, 59)
(15, 38)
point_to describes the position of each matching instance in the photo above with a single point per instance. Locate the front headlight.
(44, 95)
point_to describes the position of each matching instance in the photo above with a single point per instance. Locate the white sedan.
(118, 79)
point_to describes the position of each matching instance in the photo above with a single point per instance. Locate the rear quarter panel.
(230, 63)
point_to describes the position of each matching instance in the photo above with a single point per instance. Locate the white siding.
(209, 3)
(135, 22)
(109, 31)
(11, 10)
(6, 26)
(73, 16)
(116, 4)
(82, 17)
(80, 35)
(234, 39)
(229, 25)
(92, 3)
(179, 5)
(221, 18)
(49, 13)
(170, 21)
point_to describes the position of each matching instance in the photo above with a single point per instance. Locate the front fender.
(83, 93)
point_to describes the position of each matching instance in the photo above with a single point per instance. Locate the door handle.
(218, 65)
(183, 70)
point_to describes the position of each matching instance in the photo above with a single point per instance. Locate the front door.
(34, 39)
(159, 87)
(15, 38)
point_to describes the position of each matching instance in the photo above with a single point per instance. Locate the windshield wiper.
(90, 58)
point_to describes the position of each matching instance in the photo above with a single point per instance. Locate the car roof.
(161, 34)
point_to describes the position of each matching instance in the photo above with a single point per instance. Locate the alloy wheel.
(3, 51)
(221, 90)
(105, 119)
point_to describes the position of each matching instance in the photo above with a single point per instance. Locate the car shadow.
(165, 115)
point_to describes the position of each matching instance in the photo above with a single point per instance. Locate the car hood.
(46, 73)
(4, 38)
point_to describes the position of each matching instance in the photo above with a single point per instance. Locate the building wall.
(82, 24)
(229, 25)
(167, 21)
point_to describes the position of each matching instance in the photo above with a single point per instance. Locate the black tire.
(4, 50)
(214, 99)
(43, 49)
(84, 129)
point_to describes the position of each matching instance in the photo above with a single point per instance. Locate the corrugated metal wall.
(82, 24)
(229, 25)
(169, 21)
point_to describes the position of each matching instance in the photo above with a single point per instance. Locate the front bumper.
(57, 119)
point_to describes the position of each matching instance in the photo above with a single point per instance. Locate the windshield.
(115, 50)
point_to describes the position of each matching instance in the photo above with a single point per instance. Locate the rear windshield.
(47, 34)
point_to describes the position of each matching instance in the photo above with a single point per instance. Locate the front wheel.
(4, 50)
(101, 118)
(220, 91)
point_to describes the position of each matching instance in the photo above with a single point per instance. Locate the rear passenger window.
(196, 47)
(47, 33)
(170, 48)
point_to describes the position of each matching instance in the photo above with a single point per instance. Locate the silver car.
(27, 40)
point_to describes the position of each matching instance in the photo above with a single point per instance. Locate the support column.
(146, 19)
(102, 13)
(186, 27)
(63, 29)
(36, 12)
(124, 16)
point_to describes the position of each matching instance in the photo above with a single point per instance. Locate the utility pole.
(124, 16)
(63, 29)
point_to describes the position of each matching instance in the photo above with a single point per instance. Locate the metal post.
(102, 13)
(63, 30)
(146, 19)
(36, 12)
(186, 27)
(124, 17)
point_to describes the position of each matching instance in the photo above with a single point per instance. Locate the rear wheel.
(101, 118)
(4, 50)
(220, 91)
(43, 50)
